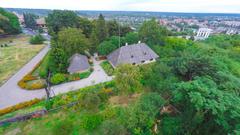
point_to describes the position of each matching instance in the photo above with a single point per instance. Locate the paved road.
(11, 93)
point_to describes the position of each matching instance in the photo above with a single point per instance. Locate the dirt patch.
(123, 100)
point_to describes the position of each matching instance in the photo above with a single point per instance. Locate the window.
(134, 64)
(143, 61)
(145, 53)
(151, 59)
(131, 56)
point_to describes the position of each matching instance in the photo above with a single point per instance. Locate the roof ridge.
(119, 53)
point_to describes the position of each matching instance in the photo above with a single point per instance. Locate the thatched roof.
(131, 54)
(78, 63)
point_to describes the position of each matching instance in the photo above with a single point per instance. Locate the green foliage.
(9, 23)
(91, 122)
(30, 20)
(204, 99)
(107, 68)
(58, 60)
(110, 45)
(72, 41)
(128, 79)
(152, 33)
(100, 31)
(84, 74)
(44, 66)
(58, 78)
(90, 101)
(170, 126)
(63, 127)
(59, 19)
(38, 39)
(86, 26)
(139, 118)
(112, 127)
(131, 38)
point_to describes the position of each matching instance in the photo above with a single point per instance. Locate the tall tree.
(30, 20)
(86, 26)
(113, 28)
(72, 40)
(100, 32)
(152, 33)
(59, 19)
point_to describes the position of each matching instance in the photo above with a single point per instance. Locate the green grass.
(17, 54)
(107, 68)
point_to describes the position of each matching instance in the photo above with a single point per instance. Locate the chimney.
(126, 44)
(139, 42)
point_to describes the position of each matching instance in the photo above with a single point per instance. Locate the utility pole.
(48, 86)
(119, 36)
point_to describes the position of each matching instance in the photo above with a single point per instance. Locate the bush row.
(19, 106)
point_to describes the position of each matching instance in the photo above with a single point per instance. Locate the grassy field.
(15, 55)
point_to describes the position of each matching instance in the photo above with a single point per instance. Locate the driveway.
(12, 94)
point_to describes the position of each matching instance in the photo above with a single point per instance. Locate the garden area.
(36, 79)
(15, 51)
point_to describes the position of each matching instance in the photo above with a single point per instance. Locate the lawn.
(15, 55)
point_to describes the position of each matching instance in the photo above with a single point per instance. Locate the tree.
(100, 31)
(72, 41)
(9, 23)
(152, 33)
(58, 60)
(59, 19)
(140, 117)
(128, 79)
(131, 38)
(205, 108)
(30, 20)
(113, 28)
(86, 26)
(106, 47)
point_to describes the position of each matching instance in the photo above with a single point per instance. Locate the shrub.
(43, 68)
(36, 84)
(23, 82)
(19, 106)
(84, 74)
(107, 68)
(90, 122)
(38, 39)
(58, 78)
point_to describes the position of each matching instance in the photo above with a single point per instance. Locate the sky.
(199, 6)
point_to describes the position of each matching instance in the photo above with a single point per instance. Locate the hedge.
(19, 106)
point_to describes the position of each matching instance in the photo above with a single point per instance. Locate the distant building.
(203, 33)
(41, 23)
(132, 54)
(20, 18)
(78, 63)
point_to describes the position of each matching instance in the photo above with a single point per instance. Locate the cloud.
(228, 6)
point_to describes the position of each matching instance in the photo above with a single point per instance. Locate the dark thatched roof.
(78, 63)
(131, 54)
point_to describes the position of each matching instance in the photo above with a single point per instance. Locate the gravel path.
(12, 94)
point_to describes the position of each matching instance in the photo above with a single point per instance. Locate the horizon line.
(178, 12)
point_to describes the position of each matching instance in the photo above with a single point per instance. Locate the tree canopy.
(9, 23)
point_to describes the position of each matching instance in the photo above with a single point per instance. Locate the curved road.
(12, 94)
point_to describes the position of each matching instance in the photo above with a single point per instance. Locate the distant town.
(180, 24)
